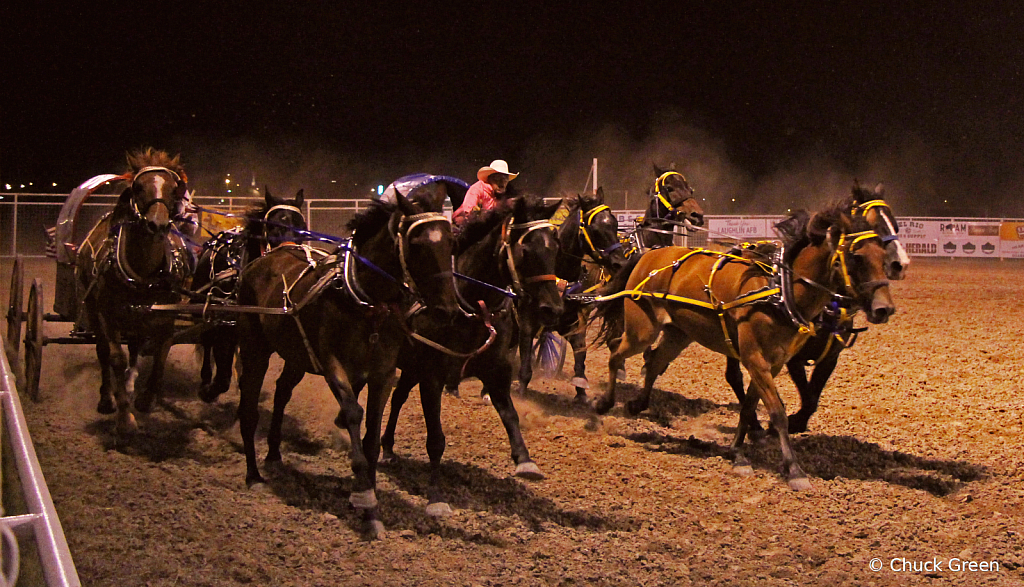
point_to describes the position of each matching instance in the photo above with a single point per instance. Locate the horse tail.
(611, 313)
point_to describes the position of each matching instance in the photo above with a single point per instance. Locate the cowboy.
(487, 191)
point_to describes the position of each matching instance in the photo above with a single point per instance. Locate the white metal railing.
(40, 522)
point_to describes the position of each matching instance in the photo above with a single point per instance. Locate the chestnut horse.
(216, 279)
(511, 248)
(834, 330)
(132, 259)
(757, 313)
(344, 317)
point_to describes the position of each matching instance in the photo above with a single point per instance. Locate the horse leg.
(206, 341)
(255, 361)
(526, 339)
(398, 399)
(290, 376)
(748, 411)
(430, 397)
(672, 343)
(106, 405)
(640, 333)
(734, 376)
(497, 384)
(578, 341)
(762, 379)
(220, 342)
(810, 392)
(378, 390)
(144, 399)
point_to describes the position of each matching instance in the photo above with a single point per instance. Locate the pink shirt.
(480, 195)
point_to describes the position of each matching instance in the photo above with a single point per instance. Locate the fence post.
(14, 230)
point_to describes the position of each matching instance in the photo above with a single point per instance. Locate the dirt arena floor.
(915, 459)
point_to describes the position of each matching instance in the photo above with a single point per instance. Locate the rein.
(506, 247)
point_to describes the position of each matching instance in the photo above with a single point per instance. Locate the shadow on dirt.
(466, 487)
(665, 406)
(829, 457)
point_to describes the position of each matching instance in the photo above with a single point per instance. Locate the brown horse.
(834, 331)
(132, 259)
(345, 318)
(757, 313)
(671, 203)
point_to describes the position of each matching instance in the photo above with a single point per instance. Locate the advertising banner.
(919, 237)
(743, 229)
(1011, 240)
(950, 238)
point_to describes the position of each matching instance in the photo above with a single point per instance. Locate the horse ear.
(268, 197)
(600, 194)
(548, 210)
(657, 170)
(404, 205)
(818, 228)
(299, 195)
(880, 190)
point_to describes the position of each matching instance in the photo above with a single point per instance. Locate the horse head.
(673, 199)
(857, 261)
(870, 203)
(425, 246)
(599, 231)
(154, 197)
(531, 246)
(279, 218)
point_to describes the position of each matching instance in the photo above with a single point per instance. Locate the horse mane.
(479, 224)
(253, 217)
(802, 228)
(150, 157)
(370, 221)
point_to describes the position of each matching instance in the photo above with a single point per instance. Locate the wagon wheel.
(14, 313)
(34, 339)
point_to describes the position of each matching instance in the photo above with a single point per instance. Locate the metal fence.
(33, 544)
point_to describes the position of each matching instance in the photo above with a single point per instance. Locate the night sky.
(762, 106)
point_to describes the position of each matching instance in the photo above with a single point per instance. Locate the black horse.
(223, 257)
(589, 249)
(345, 317)
(512, 247)
(132, 259)
(834, 328)
(671, 203)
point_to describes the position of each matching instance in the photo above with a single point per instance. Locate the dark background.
(763, 106)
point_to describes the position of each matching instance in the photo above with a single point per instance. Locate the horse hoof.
(486, 398)
(580, 383)
(208, 394)
(144, 405)
(363, 500)
(375, 530)
(388, 457)
(634, 407)
(743, 470)
(602, 406)
(580, 399)
(106, 406)
(439, 510)
(453, 391)
(799, 484)
(127, 425)
(620, 374)
(529, 470)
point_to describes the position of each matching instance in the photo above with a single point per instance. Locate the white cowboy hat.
(496, 166)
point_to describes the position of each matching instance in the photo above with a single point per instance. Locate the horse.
(589, 248)
(748, 310)
(834, 327)
(344, 316)
(223, 257)
(133, 258)
(510, 250)
(671, 203)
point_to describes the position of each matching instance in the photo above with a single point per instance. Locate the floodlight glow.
(380, 190)
(7, 186)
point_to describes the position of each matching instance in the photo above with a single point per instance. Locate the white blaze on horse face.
(901, 253)
(435, 236)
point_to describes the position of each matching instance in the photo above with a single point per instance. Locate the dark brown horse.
(223, 257)
(511, 249)
(344, 316)
(739, 308)
(834, 329)
(589, 248)
(132, 259)
(671, 203)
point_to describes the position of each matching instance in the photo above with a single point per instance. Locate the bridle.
(268, 223)
(507, 247)
(600, 256)
(407, 224)
(663, 202)
(179, 188)
(885, 212)
(848, 244)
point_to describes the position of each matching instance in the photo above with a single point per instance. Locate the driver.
(492, 181)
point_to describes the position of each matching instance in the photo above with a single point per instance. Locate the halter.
(139, 214)
(662, 200)
(885, 211)
(506, 246)
(597, 255)
(404, 228)
(848, 243)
